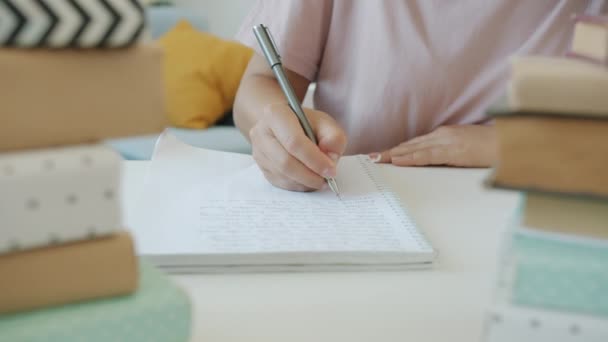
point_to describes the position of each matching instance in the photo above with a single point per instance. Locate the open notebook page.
(237, 212)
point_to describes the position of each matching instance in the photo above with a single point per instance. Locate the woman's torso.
(392, 70)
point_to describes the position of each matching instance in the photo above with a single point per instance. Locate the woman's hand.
(288, 158)
(464, 146)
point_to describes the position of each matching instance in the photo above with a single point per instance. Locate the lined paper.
(219, 209)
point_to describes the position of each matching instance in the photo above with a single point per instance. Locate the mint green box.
(158, 312)
(560, 273)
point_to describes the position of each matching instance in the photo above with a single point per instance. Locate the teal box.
(558, 272)
(158, 312)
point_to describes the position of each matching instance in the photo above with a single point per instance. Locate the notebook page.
(243, 213)
(191, 210)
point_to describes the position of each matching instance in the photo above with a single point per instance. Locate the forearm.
(258, 89)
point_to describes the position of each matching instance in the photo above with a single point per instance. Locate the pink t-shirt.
(391, 70)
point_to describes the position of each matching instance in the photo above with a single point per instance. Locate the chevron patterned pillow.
(71, 23)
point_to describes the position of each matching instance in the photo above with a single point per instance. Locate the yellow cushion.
(202, 75)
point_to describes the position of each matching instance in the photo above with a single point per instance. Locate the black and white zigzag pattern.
(71, 23)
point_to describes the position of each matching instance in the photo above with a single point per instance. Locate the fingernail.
(329, 173)
(375, 157)
(333, 156)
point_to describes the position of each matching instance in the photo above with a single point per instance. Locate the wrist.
(271, 106)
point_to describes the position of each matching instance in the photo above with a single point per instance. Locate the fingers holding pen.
(289, 159)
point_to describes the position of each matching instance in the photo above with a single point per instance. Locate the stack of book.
(74, 73)
(77, 71)
(553, 146)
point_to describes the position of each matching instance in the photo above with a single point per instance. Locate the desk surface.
(462, 220)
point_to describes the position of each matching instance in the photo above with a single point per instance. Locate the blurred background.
(223, 17)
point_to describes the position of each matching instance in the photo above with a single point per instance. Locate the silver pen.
(274, 59)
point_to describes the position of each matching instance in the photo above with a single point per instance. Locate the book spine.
(504, 323)
(80, 96)
(556, 272)
(68, 273)
(507, 320)
(592, 19)
(601, 21)
(575, 88)
(568, 215)
(597, 61)
(523, 147)
(58, 195)
(158, 311)
(71, 23)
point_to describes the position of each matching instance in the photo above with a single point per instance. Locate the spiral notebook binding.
(395, 203)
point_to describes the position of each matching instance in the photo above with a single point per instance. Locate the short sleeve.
(299, 28)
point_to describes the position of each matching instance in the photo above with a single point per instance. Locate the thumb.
(331, 137)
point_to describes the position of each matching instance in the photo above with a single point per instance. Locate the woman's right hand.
(288, 158)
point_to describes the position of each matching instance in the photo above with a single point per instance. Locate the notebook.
(209, 211)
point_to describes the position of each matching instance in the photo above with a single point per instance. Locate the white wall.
(223, 16)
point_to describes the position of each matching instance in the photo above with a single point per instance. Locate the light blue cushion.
(221, 138)
(163, 18)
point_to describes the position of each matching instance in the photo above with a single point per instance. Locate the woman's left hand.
(463, 146)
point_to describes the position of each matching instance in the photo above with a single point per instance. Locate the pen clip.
(272, 42)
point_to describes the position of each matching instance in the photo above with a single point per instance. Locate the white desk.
(462, 220)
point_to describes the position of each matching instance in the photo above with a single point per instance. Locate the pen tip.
(333, 185)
